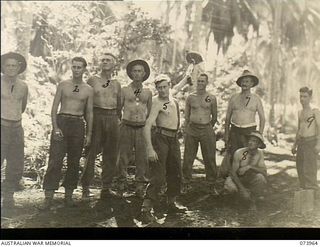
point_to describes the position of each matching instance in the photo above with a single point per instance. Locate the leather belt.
(10, 123)
(166, 132)
(100, 110)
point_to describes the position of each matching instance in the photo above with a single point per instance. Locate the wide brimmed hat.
(16, 56)
(260, 137)
(248, 73)
(138, 62)
(194, 57)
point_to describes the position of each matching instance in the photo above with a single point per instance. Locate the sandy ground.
(204, 208)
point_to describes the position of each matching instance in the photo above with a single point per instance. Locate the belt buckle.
(169, 133)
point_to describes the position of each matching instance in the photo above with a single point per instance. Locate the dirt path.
(204, 208)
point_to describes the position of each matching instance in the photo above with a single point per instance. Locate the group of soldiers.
(100, 116)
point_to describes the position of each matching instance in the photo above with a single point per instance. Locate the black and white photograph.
(190, 114)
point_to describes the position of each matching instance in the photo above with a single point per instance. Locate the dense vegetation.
(277, 40)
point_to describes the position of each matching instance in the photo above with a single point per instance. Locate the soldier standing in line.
(14, 95)
(68, 135)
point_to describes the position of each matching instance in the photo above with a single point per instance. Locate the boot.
(140, 190)
(146, 215)
(173, 207)
(68, 198)
(213, 190)
(122, 186)
(48, 198)
(185, 188)
(107, 193)
(8, 200)
(86, 194)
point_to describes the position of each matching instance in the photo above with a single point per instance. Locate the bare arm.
(25, 99)
(317, 118)
(233, 173)
(187, 111)
(183, 81)
(261, 167)
(214, 111)
(55, 105)
(179, 85)
(122, 99)
(89, 113)
(147, 128)
(294, 147)
(228, 121)
(149, 103)
(119, 104)
(262, 119)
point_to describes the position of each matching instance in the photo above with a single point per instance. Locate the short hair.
(306, 90)
(205, 75)
(161, 78)
(109, 54)
(80, 59)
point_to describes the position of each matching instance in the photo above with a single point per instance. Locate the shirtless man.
(249, 173)
(68, 135)
(163, 150)
(105, 133)
(201, 116)
(14, 94)
(241, 113)
(136, 102)
(307, 144)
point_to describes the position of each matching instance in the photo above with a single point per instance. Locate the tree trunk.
(275, 59)
(164, 50)
(196, 29)
(18, 28)
(174, 53)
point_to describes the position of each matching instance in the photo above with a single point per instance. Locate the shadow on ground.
(204, 208)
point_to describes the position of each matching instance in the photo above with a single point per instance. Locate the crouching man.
(248, 173)
(163, 150)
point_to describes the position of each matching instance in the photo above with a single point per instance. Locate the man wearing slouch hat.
(136, 104)
(14, 94)
(241, 113)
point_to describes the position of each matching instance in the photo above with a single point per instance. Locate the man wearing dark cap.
(241, 113)
(163, 150)
(248, 172)
(68, 135)
(105, 133)
(14, 94)
(136, 102)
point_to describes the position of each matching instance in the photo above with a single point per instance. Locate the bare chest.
(168, 110)
(245, 103)
(10, 92)
(104, 88)
(247, 159)
(307, 119)
(75, 92)
(201, 102)
(138, 96)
